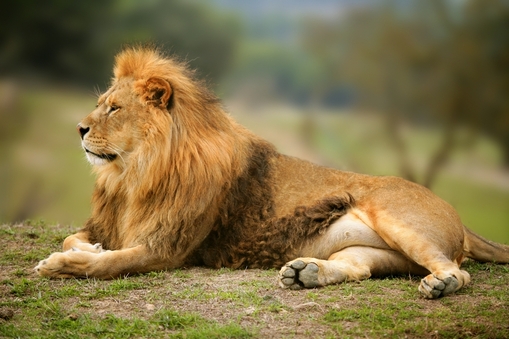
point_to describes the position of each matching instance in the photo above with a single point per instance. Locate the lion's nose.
(82, 130)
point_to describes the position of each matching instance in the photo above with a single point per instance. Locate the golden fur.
(180, 183)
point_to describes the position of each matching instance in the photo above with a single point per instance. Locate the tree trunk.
(504, 143)
(440, 158)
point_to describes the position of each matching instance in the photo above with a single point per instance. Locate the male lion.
(180, 183)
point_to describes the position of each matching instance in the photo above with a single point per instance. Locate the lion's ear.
(157, 92)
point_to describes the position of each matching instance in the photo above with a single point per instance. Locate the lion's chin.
(99, 159)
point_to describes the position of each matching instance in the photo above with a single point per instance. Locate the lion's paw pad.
(433, 287)
(297, 275)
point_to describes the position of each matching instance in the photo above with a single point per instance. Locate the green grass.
(65, 309)
(58, 323)
(204, 303)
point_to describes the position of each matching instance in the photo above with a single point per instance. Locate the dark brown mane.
(247, 233)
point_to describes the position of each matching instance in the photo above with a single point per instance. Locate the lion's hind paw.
(86, 247)
(440, 284)
(297, 274)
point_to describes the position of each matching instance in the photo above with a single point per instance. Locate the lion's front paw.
(297, 274)
(52, 266)
(65, 265)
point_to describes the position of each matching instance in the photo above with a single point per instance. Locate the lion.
(180, 183)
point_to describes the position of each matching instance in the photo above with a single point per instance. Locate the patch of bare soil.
(249, 298)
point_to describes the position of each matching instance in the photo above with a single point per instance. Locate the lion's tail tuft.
(484, 250)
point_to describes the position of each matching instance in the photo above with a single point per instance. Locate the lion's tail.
(484, 250)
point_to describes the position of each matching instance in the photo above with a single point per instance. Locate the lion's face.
(119, 124)
(111, 132)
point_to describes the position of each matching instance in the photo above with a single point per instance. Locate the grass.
(57, 323)
(204, 303)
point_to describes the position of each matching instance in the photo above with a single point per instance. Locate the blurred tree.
(488, 24)
(54, 38)
(77, 40)
(190, 29)
(426, 62)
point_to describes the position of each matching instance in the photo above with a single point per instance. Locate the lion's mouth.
(109, 157)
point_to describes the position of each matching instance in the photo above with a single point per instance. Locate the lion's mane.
(200, 186)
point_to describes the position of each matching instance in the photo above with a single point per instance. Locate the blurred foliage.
(57, 38)
(436, 62)
(76, 40)
(192, 30)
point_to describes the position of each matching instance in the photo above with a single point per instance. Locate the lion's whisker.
(117, 150)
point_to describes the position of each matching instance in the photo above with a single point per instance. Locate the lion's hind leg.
(350, 264)
(433, 241)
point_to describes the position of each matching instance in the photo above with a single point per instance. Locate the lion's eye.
(113, 108)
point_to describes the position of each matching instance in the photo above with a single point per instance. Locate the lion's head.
(122, 120)
(132, 111)
(154, 117)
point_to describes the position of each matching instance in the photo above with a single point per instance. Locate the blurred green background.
(414, 88)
